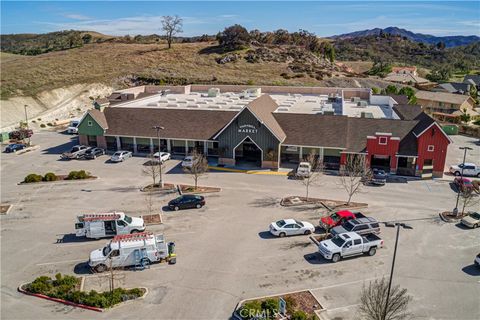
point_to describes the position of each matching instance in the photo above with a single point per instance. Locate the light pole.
(455, 210)
(393, 225)
(158, 128)
(26, 122)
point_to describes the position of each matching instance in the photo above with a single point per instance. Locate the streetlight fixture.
(465, 149)
(393, 225)
(158, 128)
(26, 122)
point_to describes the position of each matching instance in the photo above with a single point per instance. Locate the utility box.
(213, 92)
(4, 137)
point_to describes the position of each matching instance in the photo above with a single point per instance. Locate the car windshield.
(106, 250)
(338, 241)
(299, 223)
(117, 154)
(127, 219)
(280, 223)
(475, 215)
(89, 151)
(335, 217)
(348, 226)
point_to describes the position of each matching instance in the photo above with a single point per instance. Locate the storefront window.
(178, 146)
(290, 154)
(143, 145)
(111, 143)
(212, 148)
(126, 143)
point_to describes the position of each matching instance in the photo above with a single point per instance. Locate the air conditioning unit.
(213, 92)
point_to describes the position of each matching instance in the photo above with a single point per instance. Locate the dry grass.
(358, 66)
(108, 62)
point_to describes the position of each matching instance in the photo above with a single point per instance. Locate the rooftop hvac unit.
(213, 92)
(362, 104)
(297, 95)
(182, 102)
(311, 101)
(221, 103)
(152, 104)
(193, 106)
(214, 107)
(162, 101)
(355, 99)
(254, 92)
(236, 107)
(194, 93)
(172, 105)
(328, 113)
(201, 102)
(172, 99)
(366, 115)
(191, 99)
(285, 105)
(282, 109)
(209, 100)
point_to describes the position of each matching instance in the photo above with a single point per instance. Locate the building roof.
(399, 98)
(442, 97)
(407, 111)
(405, 78)
(99, 118)
(473, 77)
(178, 123)
(394, 69)
(263, 108)
(455, 87)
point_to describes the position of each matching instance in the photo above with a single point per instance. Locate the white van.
(73, 127)
(100, 225)
(137, 250)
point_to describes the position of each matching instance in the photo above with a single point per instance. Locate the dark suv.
(362, 226)
(92, 153)
(186, 201)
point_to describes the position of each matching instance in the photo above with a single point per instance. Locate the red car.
(338, 218)
(463, 184)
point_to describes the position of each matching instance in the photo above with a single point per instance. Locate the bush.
(250, 309)
(271, 308)
(42, 125)
(78, 175)
(50, 176)
(299, 315)
(32, 177)
(42, 285)
(49, 124)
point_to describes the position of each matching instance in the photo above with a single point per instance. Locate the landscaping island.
(50, 177)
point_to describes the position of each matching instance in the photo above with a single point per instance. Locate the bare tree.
(316, 172)
(467, 199)
(373, 301)
(153, 169)
(352, 175)
(172, 25)
(199, 166)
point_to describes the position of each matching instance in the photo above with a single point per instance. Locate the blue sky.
(200, 17)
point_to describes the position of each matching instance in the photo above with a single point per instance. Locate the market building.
(269, 127)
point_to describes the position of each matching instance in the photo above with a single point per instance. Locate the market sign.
(247, 128)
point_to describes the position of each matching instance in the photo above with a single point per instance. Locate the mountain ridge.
(449, 41)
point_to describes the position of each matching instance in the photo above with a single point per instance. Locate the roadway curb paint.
(273, 173)
(69, 303)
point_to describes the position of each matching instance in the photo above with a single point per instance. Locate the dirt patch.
(327, 203)
(151, 219)
(185, 188)
(156, 187)
(4, 208)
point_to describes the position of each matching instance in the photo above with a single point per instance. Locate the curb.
(28, 149)
(273, 173)
(446, 220)
(73, 304)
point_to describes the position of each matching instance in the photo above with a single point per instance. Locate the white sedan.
(120, 156)
(163, 156)
(290, 227)
(187, 162)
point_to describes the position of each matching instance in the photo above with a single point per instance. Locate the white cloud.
(75, 16)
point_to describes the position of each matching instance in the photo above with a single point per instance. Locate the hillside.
(400, 50)
(449, 41)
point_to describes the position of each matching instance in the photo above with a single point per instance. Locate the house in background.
(406, 75)
(453, 87)
(405, 70)
(473, 79)
(446, 106)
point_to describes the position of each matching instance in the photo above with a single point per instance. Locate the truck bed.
(370, 238)
(358, 214)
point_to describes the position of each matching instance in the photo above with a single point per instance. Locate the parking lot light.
(158, 128)
(393, 225)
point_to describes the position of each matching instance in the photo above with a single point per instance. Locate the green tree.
(376, 90)
(234, 37)
(391, 89)
(410, 93)
(465, 117)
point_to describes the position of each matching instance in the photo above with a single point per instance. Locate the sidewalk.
(280, 172)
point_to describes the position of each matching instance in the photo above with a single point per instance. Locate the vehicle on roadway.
(463, 184)
(100, 225)
(469, 169)
(93, 153)
(187, 162)
(290, 227)
(349, 244)
(304, 170)
(186, 201)
(14, 147)
(362, 226)
(73, 127)
(139, 250)
(471, 220)
(161, 156)
(338, 218)
(76, 152)
(379, 177)
(120, 156)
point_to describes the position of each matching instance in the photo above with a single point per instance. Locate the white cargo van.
(100, 225)
(137, 250)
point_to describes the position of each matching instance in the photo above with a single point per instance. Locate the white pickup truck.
(469, 169)
(349, 244)
(137, 250)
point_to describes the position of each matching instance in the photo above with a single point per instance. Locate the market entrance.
(247, 152)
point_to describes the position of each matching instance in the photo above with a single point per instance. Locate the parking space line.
(59, 262)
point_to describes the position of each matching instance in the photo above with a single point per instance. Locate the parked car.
(186, 201)
(362, 226)
(73, 127)
(290, 227)
(379, 177)
(187, 162)
(477, 260)
(138, 249)
(76, 152)
(20, 134)
(14, 147)
(121, 156)
(338, 218)
(469, 169)
(304, 170)
(472, 220)
(463, 184)
(348, 245)
(99, 225)
(92, 153)
(161, 156)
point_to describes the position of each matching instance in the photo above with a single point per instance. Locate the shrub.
(49, 124)
(250, 309)
(41, 285)
(299, 315)
(271, 308)
(32, 177)
(42, 125)
(291, 304)
(50, 176)
(78, 175)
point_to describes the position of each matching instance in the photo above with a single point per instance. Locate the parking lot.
(225, 253)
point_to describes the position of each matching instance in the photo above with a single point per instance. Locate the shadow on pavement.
(315, 258)
(265, 202)
(462, 226)
(472, 270)
(82, 268)
(71, 238)
(266, 235)
(61, 148)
